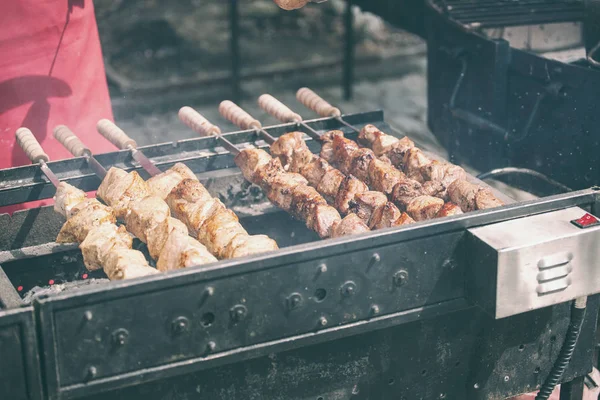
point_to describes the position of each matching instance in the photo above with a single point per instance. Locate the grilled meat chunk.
(385, 145)
(119, 188)
(442, 172)
(281, 186)
(435, 189)
(384, 177)
(414, 161)
(91, 214)
(292, 151)
(349, 188)
(321, 219)
(67, 196)
(161, 185)
(449, 209)
(424, 207)
(385, 216)
(471, 197)
(350, 225)
(315, 170)
(304, 199)
(190, 202)
(250, 161)
(158, 235)
(404, 192)
(124, 263)
(182, 251)
(397, 153)
(330, 184)
(220, 229)
(145, 214)
(100, 241)
(327, 152)
(342, 152)
(359, 167)
(365, 204)
(244, 245)
(404, 219)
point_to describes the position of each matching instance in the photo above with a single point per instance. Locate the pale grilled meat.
(443, 172)
(384, 145)
(315, 170)
(359, 167)
(124, 263)
(485, 199)
(281, 186)
(182, 251)
(304, 199)
(385, 216)
(384, 177)
(66, 198)
(189, 202)
(119, 188)
(349, 225)
(158, 235)
(243, 245)
(404, 219)
(91, 215)
(161, 185)
(448, 210)
(327, 152)
(405, 191)
(145, 214)
(414, 161)
(364, 204)
(435, 189)
(100, 241)
(220, 229)
(322, 218)
(342, 151)
(292, 151)
(349, 188)
(424, 207)
(250, 161)
(330, 184)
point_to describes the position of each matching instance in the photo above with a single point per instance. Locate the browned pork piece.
(93, 225)
(404, 192)
(119, 188)
(157, 236)
(182, 251)
(424, 207)
(471, 197)
(385, 145)
(292, 193)
(162, 184)
(144, 215)
(449, 209)
(365, 204)
(388, 216)
(292, 151)
(349, 188)
(330, 184)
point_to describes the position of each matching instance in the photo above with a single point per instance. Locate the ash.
(59, 288)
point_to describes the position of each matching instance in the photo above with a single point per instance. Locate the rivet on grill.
(400, 278)
(91, 372)
(88, 315)
(294, 301)
(375, 309)
(209, 291)
(323, 321)
(238, 312)
(210, 346)
(348, 288)
(120, 336)
(375, 258)
(180, 325)
(322, 268)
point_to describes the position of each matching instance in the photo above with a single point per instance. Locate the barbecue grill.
(455, 308)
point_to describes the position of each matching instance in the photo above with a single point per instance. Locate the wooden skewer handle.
(31, 146)
(239, 117)
(197, 122)
(277, 109)
(314, 102)
(67, 138)
(115, 135)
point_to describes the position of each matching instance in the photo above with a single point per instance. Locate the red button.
(586, 221)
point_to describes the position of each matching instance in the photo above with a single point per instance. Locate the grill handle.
(316, 103)
(277, 109)
(115, 135)
(234, 113)
(31, 146)
(67, 138)
(194, 120)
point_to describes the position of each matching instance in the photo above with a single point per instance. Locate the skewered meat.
(91, 213)
(315, 170)
(250, 161)
(327, 152)
(191, 203)
(364, 204)
(359, 167)
(471, 197)
(292, 151)
(66, 198)
(182, 251)
(384, 177)
(442, 172)
(119, 188)
(342, 151)
(485, 199)
(219, 230)
(414, 161)
(280, 187)
(162, 184)
(349, 188)
(243, 245)
(405, 219)
(144, 215)
(449, 209)
(404, 192)
(321, 219)
(126, 264)
(304, 199)
(424, 207)
(101, 241)
(385, 216)
(158, 235)
(381, 144)
(350, 225)
(435, 189)
(330, 184)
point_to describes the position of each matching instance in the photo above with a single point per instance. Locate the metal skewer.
(35, 153)
(242, 119)
(316, 103)
(119, 138)
(67, 138)
(200, 125)
(280, 111)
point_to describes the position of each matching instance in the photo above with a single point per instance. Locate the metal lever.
(35, 153)
(67, 138)
(280, 111)
(241, 118)
(196, 121)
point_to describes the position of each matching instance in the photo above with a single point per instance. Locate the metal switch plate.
(533, 262)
